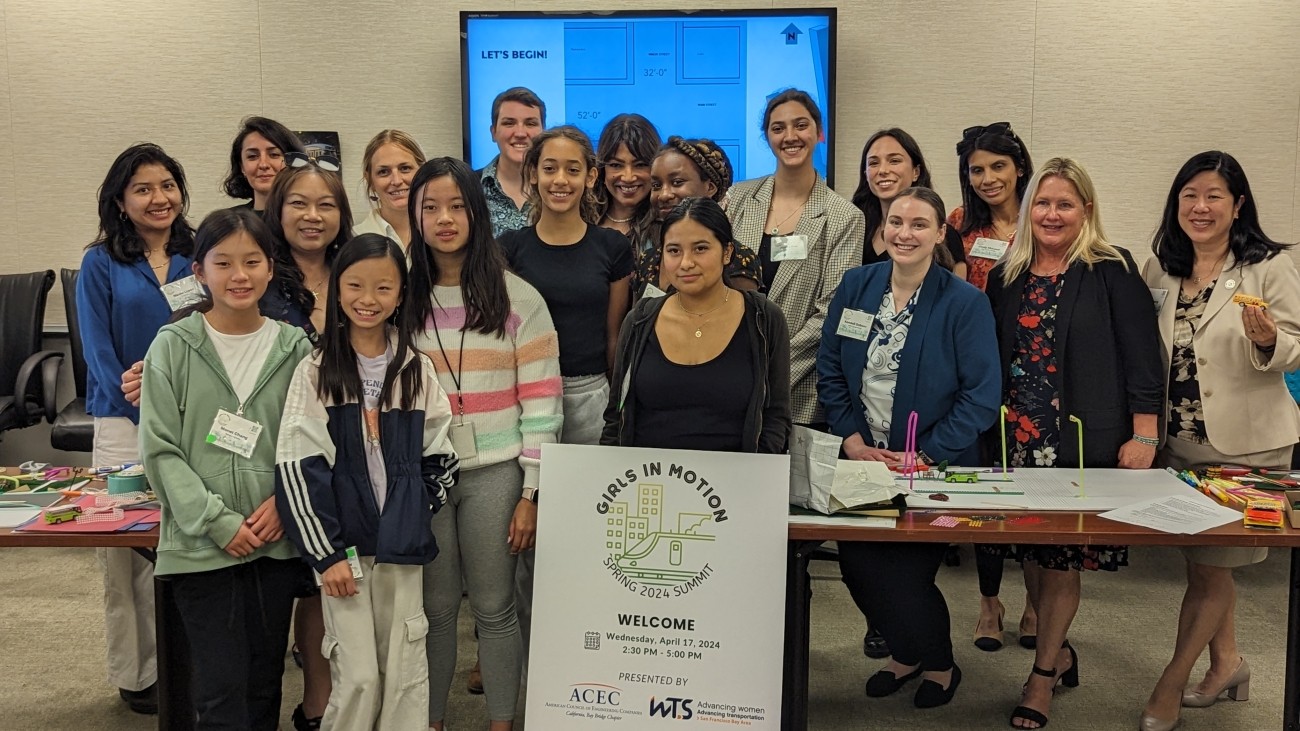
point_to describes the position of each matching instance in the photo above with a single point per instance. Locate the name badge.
(183, 292)
(855, 324)
(789, 248)
(653, 291)
(462, 440)
(234, 433)
(989, 248)
(354, 563)
(1158, 296)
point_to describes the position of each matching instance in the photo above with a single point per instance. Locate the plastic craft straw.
(1003, 429)
(909, 456)
(1078, 427)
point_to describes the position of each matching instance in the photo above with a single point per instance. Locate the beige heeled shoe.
(1151, 723)
(1238, 687)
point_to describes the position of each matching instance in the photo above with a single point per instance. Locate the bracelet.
(1149, 441)
(1267, 351)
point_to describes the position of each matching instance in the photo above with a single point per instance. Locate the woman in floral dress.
(1077, 334)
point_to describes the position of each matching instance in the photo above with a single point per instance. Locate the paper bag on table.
(820, 481)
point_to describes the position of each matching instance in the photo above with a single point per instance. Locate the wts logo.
(678, 708)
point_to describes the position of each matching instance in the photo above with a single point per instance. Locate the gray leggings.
(472, 528)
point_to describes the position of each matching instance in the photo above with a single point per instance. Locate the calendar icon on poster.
(591, 641)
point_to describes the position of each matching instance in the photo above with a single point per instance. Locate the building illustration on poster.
(644, 550)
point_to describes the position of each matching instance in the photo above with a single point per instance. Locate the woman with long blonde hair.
(1080, 351)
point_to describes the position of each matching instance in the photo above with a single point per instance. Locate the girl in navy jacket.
(364, 460)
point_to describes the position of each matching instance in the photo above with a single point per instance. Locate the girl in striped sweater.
(492, 342)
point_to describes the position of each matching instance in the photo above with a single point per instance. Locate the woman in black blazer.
(1078, 338)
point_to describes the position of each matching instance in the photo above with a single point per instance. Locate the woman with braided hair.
(691, 169)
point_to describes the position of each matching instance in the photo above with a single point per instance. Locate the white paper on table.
(1057, 489)
(1175, 514)
(859, 483)
(14, 517)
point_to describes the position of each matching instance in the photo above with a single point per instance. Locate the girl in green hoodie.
(212, 399)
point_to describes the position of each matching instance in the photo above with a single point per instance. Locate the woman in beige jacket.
(1229, 313)
(806, 237)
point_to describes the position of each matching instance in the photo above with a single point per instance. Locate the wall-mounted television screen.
(706, 73)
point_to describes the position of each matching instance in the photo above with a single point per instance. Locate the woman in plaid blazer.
(806, 237)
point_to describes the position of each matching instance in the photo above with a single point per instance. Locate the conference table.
(1064, 528)
(175, 705)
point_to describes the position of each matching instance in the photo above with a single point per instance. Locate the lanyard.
(460, 365)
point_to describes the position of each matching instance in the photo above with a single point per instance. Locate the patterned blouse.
(880, 372)
(1186, 415)
(977, 268)
(506, 216)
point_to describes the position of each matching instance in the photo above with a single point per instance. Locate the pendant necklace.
(776, 228)
(1217, 266)
(699, 332)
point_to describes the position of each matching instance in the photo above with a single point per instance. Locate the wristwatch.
(530, 494)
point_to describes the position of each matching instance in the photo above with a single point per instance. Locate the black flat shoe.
(885, 683)
(144, 702)
(874, 645)
(933, 695)
(302, 723)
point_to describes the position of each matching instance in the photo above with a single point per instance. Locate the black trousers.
(893, 584)
(989, 560)
(237, 623)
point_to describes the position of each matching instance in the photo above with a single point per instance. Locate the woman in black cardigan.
(693, 370)
(1078, 338)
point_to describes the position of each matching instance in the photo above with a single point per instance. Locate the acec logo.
(594, 694)
(678, 708)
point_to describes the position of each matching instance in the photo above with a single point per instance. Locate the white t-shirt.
(244, 355)
(372, 372)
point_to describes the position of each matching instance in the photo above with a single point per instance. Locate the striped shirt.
(510, 385)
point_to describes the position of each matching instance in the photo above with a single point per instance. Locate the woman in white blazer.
(806, 237)
(1227, 401)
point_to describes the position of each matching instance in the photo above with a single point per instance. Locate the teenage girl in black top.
(707, 367)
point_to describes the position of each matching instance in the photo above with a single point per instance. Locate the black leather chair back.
(22, 322)
(68, 277)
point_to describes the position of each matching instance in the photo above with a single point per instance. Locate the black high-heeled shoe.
(1025, 713)
(1070, 678)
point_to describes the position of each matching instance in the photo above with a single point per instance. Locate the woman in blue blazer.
(885, 321)
(144, 243)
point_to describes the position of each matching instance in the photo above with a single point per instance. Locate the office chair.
(74, 429)
(28, 375)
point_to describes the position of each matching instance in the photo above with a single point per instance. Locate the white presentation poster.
(660, 589)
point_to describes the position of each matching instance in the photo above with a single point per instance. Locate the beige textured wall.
(1129, 87)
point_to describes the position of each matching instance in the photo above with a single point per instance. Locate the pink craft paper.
(130, 518)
